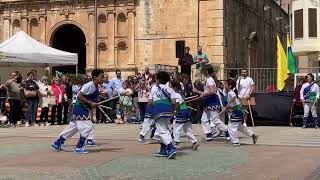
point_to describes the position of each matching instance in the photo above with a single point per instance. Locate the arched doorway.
(70, 38)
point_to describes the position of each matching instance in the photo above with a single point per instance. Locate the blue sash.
(307, 90)
(236, 115)
(149, 112)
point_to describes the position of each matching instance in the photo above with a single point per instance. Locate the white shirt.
(157, 94)
(179, 99)
(231, 95)
(314, 88)
(244, 87)
(88, 88)
(209, 82)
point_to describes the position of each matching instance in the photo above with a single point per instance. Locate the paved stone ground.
(281, 153)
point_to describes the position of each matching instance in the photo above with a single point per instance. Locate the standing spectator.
(186, 63)
(201, 59)
(245, 87)
(116, 82)
(14, 97)
(59, 94)
(143, 99)
(147, 76)
(126, 98)
(135, 90)
(3, 98)
(66, 104)
(35, 73)
(44, 100)
(106, 93)
(31, 94)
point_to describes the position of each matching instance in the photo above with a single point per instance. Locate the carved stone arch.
(102, 45)
(61, 23)
(102, 25)
(34, 28)
(16, 25)
(122, 24)
(122, 53)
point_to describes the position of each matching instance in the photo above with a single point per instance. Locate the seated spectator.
(133, 116)
(119, 115)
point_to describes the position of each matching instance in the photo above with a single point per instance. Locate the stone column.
(24, 24)
(6, 28)
(90, 41)
(42, 29)
(131, 43)
(111, 44)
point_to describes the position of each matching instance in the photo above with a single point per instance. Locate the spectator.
(66, 104)
(147, 76)
(3, 98)
(60, 95)
(186, 63)
(35, 72)
(201, 59)
(14, 97)
(106, 93)
(119, 115)
(297, 89)
(126, 98)
(31, 94)
(44, 100)
(117, 82)
(135, 90)
(133, 116)
(143, 99)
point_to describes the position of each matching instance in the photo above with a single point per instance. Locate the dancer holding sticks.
(236, 114)
(309, 95)
(211, 105)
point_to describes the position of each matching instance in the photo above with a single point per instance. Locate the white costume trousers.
(307, 107)
(186, 127)
(85, 128)
(233, 127)
(147, 123)
(208, 121)
(162, 126)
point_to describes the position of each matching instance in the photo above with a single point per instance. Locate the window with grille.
(312, 22)
(298, 23)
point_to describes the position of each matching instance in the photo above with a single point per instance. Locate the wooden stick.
(219, 114)
(192, 108)
(104, 113)
(191, 97)
(108, 100)
(106, 107)
(250, 113)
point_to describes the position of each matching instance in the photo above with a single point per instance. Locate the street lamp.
(95, 34)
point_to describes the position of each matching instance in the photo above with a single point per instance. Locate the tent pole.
(76, 70)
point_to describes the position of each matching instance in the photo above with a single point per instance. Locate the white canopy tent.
(22, 50)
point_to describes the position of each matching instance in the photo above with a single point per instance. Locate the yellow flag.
(282, 65)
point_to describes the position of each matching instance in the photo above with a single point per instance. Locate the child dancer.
(183, 119)
(236, 113)
(162, 98)
(86, 100)
(211, 105)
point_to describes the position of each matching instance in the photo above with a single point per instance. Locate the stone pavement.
(280, 154)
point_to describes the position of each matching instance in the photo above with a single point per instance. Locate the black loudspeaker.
(180, 46)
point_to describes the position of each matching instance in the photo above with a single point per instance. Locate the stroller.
(296, 114)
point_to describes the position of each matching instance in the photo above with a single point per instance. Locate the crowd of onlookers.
(48, 101)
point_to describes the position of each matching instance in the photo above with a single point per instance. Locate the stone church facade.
(132, 34)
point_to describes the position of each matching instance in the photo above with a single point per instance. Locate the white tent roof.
(23, 50)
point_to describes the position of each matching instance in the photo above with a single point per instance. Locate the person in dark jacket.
(186, 62)
(66, 104)
(3, 98)
(31, 90)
